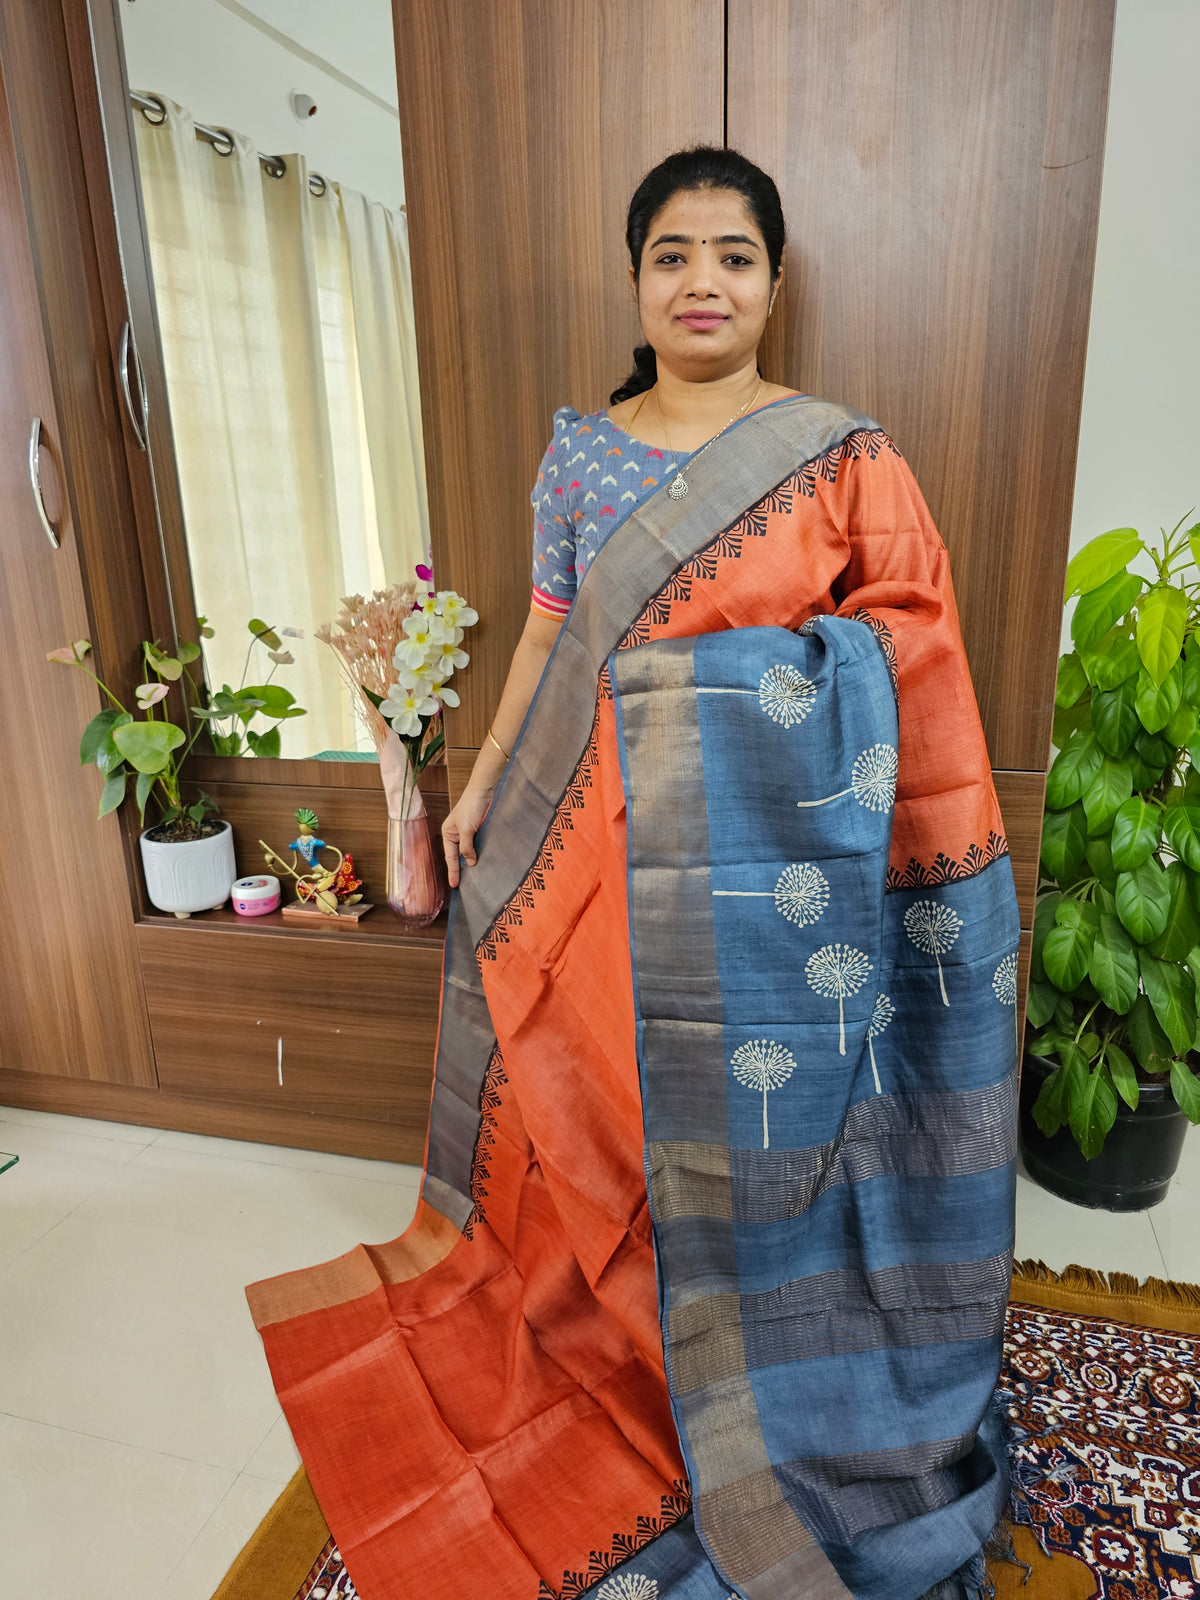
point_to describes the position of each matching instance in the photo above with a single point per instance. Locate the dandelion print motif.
(933, 927)
(629, 1586)
(802, 893)
(1004, 982)
(880, 1017)
(762, 1064)
(786, 695)
(837, 969)
(872, 780)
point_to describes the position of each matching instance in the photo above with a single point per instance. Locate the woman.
(706, 1286)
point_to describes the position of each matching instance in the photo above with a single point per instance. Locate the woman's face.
(705, 284)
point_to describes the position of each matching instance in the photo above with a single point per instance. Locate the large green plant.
(1116, 942)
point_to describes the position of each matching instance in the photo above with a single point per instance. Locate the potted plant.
(1110, 1069)
(187, 856)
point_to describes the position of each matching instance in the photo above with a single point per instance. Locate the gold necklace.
(678, 486)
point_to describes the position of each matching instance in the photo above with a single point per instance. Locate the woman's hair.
(702, 167)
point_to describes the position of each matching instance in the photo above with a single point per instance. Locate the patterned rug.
(1104, 1419)
(1101, 1392)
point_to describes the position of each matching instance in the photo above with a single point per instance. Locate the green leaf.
(1100, 559)
(1150, 1044)
(1115, 718)
(1113, 965)
(189, 653)
(1065, 723)
(198, 812)
(1099, 859)
(97, 732)
(1156, 751)
(1064, 840)
(1069, 943)
(113, 792)
(1051, 1109)
(272, 697)
(1040, 1003)
(1136, 832)
(1191, 672)
(145, 782)
(108, 758)
(1143, 899)
(1181, 824)
(1157, 703)
(1182, 930)
(1074, 768)
(1104, 899)
(1171, 990)
(147, 746)
(1181, 728)
(1093, 1111)
(225, 744)
(1123, 1075)
(1162, 619)
(265, 745)
(1186, 1090)
(1113, 659)
(1108, 790)
(264, 632)
(1098, 610)
(1071, 682)
(1044, 912)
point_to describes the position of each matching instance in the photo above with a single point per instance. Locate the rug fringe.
(1160, 1291)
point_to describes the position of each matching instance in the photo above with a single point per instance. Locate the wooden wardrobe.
(940, 169)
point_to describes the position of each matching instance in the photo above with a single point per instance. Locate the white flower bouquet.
(399, 650)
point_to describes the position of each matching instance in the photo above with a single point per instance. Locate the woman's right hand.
(460, 827)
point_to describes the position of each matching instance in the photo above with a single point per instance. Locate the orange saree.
(484, 1404)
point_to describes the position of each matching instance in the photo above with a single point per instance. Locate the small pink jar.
(255, 897)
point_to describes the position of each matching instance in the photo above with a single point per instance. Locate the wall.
(1139, 445)
(236, 66)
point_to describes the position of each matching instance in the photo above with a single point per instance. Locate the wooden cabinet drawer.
(327, 1025)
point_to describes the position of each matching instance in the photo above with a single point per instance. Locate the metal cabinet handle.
(35, 479)
(128, 352)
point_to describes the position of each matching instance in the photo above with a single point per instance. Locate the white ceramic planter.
(196, 876)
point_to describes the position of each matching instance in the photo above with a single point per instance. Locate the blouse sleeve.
(554, 553)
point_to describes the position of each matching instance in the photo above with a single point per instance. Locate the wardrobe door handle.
(127, 352)
(35, 479)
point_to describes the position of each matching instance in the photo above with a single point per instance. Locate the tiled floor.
(140, 1439)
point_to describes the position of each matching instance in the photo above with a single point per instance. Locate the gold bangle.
(497, 743)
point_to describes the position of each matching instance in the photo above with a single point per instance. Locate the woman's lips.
(701, 321)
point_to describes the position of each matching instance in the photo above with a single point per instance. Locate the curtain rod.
(221, 140)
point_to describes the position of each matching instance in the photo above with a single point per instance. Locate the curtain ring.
(316, 184)
(155, 122)
(229, 140)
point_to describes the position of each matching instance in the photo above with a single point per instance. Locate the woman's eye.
(665, 261)
(742, 261)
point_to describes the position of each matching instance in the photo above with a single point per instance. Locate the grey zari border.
(631, 567)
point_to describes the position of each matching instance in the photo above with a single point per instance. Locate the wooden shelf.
(380, 927)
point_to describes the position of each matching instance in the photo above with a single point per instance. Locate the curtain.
(288, 340)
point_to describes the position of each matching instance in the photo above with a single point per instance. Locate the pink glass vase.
(416, 879)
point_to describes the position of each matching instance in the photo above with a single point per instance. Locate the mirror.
(272, 196)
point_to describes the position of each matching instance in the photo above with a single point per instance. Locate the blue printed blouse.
(592, 476)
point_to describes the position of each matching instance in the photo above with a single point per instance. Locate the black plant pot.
(1135, 1167)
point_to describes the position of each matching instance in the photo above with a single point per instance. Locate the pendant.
(678, 487)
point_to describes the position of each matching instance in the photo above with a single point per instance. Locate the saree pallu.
(705, 1291)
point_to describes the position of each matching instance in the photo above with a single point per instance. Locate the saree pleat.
(653, 1333)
